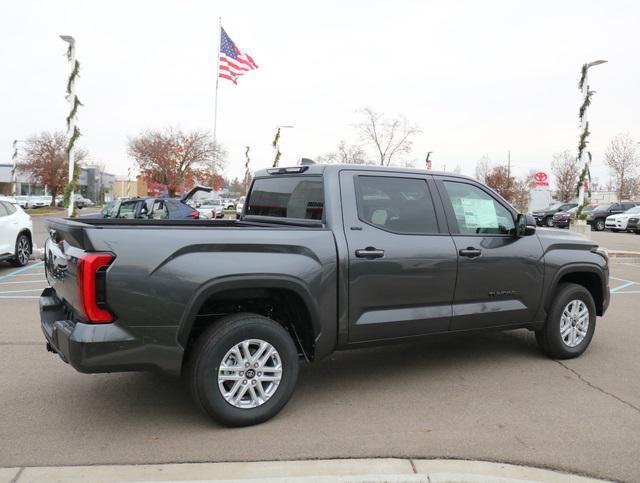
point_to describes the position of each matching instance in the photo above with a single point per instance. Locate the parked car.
(39, 201)
(16, 234)
(563, 219)
(141, 208)
(619, 222)
(634, 224)
(545, 216)
(23, 201)
(79, 200)
(211, 209)
(229, 204)
(324, 258)
(597, 218)
(240, 206)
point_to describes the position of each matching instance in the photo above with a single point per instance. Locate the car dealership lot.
(490, 397)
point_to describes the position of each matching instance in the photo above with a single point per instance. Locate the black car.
(152, 208)
(545, 216)
(598, 216)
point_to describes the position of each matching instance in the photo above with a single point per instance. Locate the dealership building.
(96, 186)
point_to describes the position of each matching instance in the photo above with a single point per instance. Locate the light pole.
(276, 145)
(583, 155)
(72, 129)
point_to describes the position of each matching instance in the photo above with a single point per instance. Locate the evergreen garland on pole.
(247, 171)
(275, 142)
(72, 129)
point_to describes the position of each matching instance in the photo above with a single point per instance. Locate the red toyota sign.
(541, 179)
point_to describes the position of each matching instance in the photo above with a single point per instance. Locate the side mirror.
(525, 225)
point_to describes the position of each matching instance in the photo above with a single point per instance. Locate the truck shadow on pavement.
(164, 400)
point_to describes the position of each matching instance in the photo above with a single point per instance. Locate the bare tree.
(622, 158)
(566, 170)
(175, 158)
(390, 137)
(346, 154)
(482, 168)
(45, 159)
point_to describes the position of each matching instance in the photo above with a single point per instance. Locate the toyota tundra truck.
(322, 258)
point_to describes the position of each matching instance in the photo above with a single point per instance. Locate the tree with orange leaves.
(45, 160)
(175, 158)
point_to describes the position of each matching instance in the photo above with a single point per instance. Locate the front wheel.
(549, 221)
(600, 225)
(243, 369)
(23, 251)
(570, 324)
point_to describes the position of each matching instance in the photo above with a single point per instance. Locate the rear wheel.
(23, 251)
(243, 369)
(570, 324)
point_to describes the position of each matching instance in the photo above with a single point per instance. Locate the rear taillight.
(195, 214)
(91, 288)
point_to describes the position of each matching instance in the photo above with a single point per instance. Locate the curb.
(341, 470)
(617, 256)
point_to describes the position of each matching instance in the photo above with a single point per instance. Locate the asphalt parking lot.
(490, 397)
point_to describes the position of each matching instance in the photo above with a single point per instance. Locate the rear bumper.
(95, 348)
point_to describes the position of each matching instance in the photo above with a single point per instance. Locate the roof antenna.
(306, 161)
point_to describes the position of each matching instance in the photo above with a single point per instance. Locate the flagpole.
(215, 108)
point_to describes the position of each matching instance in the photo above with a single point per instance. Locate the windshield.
(554, 206)
(572, 210)
(635, 209)
(602, 207)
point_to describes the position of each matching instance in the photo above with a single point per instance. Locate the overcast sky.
(477, 77)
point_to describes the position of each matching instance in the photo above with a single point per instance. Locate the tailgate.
(63, 249)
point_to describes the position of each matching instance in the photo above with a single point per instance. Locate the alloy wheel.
(250, 373)
(23, 250)
(574, 323)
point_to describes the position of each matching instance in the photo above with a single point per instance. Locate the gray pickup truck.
(322, 258)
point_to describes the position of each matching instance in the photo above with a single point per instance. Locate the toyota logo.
(541, 176)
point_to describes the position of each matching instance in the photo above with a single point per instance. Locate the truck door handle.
(470, 252)
(369, 253)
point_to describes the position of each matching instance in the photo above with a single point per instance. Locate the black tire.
(549, 338)
(548, 221)
(209, 351)
(599, 225)
(22, 257)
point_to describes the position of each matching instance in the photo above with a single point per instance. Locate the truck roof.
(321, 168)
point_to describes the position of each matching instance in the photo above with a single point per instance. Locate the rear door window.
(299, 197)
(399, 205)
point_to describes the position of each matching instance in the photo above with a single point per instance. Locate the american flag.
(233, 62)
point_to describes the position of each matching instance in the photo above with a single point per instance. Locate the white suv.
(619, 222)
(16, 234)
